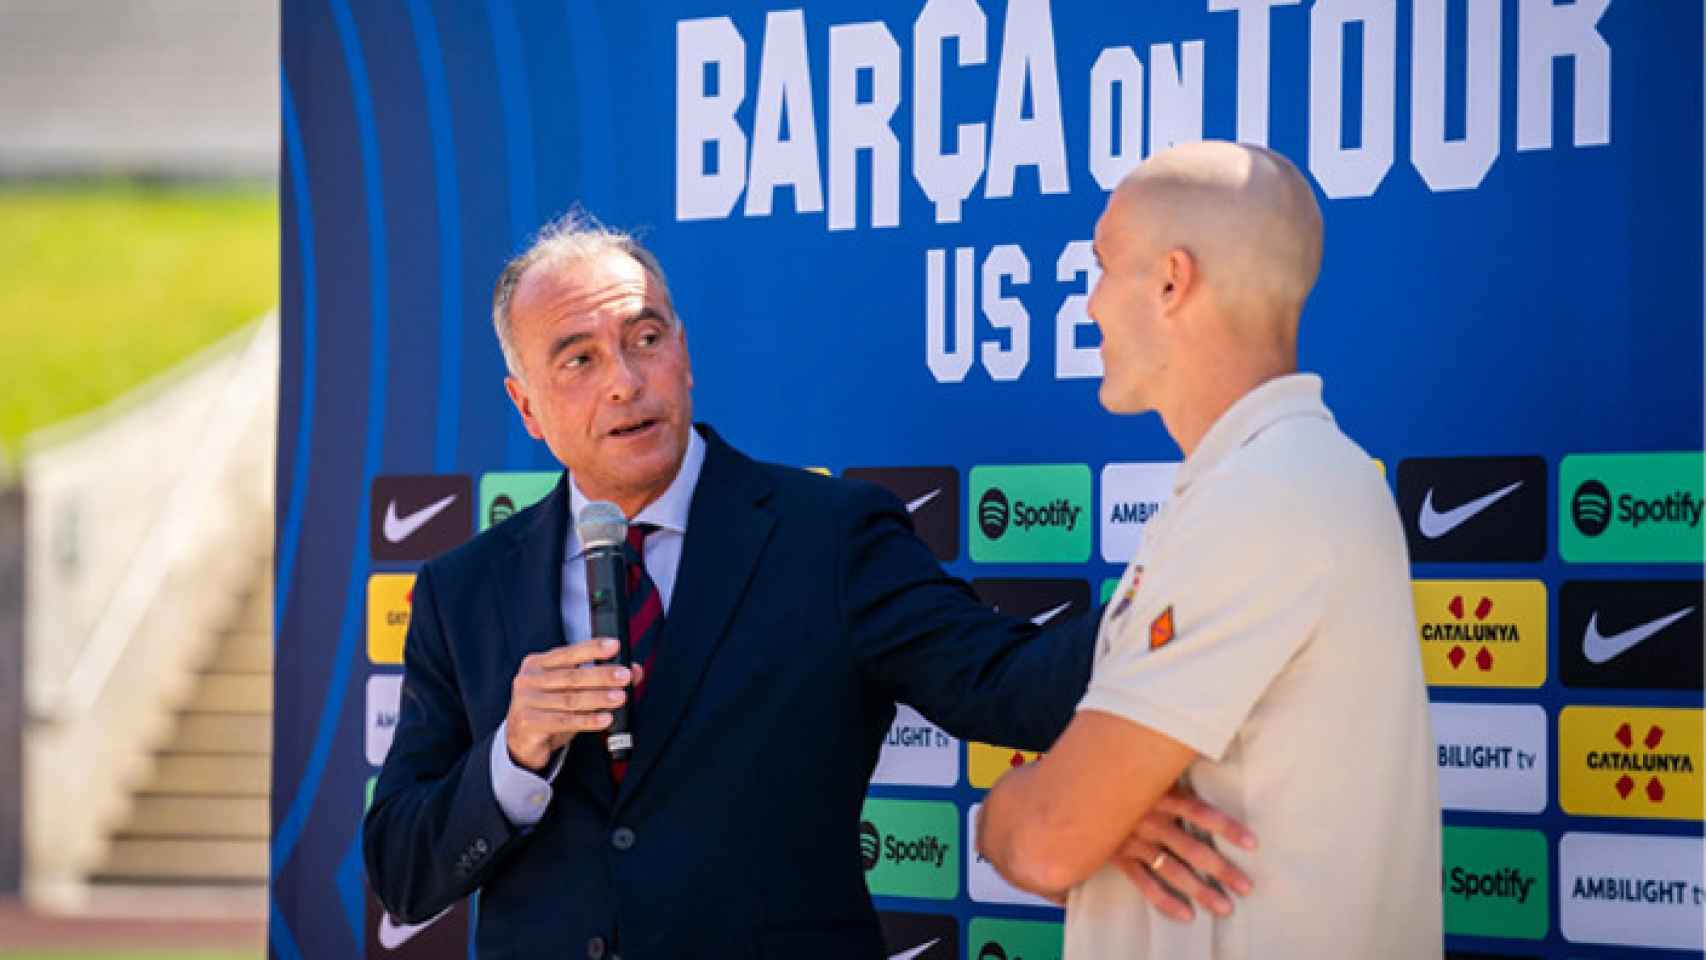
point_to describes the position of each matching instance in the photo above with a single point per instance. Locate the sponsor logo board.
(986, 762)
(440, 937)
(384, 695)
(1031, 514)
(503, 494)
(1492, 757)
(1637, 891)
(917, 753)
(1631, 508)
(390, 599)
(1042, 602)
(1474, 509)
(1630, 762)
(984, 883)
(1633, 634)
(932, 499)
(1132, 495)
(418, 517)
(920, 936)
(910, 848)
(1482, 633)
(1494, 882)
(990, 939)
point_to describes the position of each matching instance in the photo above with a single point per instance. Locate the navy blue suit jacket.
(804, 609)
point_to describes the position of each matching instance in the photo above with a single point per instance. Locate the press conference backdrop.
(877, 231)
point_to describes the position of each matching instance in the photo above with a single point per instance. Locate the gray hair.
(574, 237)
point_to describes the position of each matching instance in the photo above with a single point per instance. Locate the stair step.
(220, 774)
(223, 733)
(185, 859)
(243, 652)
(232, 693)
(199, 816)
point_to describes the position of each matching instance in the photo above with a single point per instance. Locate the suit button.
(622, 838)
(595, 948)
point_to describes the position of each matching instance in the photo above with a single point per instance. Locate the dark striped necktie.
(645, 621)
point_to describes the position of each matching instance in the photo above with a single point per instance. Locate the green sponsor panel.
(909, 848)
(1494, 883)
(1108, 588)
(1631, 508)
(1014, 940)
(368, 803)
(1031, 514)
(503, 494)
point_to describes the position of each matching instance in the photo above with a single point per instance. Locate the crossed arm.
(1105, 791)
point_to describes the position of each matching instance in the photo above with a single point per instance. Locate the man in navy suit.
(797, 613)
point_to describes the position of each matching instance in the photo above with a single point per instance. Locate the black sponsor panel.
(1044, 602)
(1643, 634)
(903, 933)
(932, 497)
(1474, 509)
(444, 937)
(419, 517)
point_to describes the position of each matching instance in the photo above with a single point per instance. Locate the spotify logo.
(870, 845)
(1591, 508)
(992, 513)
(502, 509)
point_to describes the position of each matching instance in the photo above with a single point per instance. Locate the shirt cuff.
(522, 794)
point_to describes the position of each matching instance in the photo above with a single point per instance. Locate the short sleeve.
(1227, 598)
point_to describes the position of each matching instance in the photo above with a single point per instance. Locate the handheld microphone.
(603, 532)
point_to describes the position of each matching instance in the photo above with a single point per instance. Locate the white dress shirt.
(522, 794)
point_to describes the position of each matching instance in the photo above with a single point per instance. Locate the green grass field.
(103, 285)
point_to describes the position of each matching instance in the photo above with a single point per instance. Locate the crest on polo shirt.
(1161, 629)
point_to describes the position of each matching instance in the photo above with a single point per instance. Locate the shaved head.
(1208, 252)
(1244, 213)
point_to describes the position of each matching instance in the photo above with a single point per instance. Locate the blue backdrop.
(1513, 268)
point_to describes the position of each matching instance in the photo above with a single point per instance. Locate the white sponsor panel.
(1132, 493)
(384, 694)
(985, 884)
(1632, 890)
(1492, 757)
(917, 753)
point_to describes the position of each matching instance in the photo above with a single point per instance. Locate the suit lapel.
(534, 620)
(727, 528)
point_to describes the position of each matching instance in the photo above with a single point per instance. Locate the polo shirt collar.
(1284, 397)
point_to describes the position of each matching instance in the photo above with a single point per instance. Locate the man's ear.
(1179, 278)
(523, 405)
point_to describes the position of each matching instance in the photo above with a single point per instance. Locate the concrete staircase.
(201, 818)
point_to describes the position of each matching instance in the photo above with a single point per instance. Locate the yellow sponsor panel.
(986, 763)
(1482, 633)
(390, 597)
(1630, 762)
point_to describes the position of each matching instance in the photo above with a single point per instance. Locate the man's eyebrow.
(566, 341)
(646, 313)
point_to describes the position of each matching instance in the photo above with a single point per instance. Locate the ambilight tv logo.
(908, 848)
(1631, 508)
(1031, 514)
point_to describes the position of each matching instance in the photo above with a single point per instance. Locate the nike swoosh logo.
(1599, 648)
(1048, 615)
(1435, 524)
(913, 505)
(393, 934)
(398, 529)
(915, 951)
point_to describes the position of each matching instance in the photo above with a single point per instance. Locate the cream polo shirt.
(1267, 623)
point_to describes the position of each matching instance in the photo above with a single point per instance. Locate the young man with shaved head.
(1261, 646)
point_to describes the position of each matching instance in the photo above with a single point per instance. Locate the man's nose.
(625, 382)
